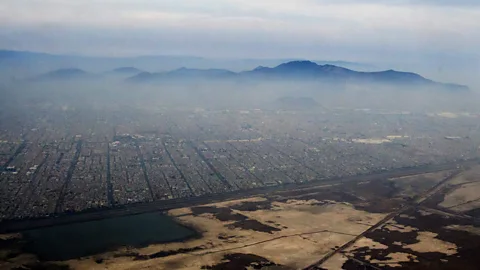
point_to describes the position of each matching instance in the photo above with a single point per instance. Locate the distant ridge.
(301, 71)
(297, 70)
(31, 63)
(65, 74)
(212, 73)
(183, 73)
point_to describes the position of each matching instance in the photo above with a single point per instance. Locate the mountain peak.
(260, 68)
(300, 70)
(301, 64)
(65, 74)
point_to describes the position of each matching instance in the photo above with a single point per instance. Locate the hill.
(65, 74)
(183, 74)
(299, 71)
(28, 64)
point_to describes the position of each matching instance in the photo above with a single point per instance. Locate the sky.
(345, 29)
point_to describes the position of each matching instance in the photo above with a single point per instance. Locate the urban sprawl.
(56, 160)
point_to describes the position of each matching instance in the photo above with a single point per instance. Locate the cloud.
(407, 2)
(284, 26)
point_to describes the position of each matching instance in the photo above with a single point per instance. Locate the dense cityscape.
(58, 160)
(239, 135)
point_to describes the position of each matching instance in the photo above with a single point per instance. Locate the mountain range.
(18, 65)
(64, 75)
(297, 71)
(21, 64)
(303, 71)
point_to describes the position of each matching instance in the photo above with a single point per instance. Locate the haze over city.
(309, 134)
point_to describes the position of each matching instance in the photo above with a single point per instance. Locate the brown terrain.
(425, 221)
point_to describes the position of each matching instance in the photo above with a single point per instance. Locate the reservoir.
(64, 242)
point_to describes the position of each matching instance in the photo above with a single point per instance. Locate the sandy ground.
(415, 184)
(435, 176)
(308, 231)
(463, 198)
(335, 262)
(367, 242)
(428, 243)
(470, 229)
(464, 193)
(396, 258)
(394, 226)
(472, 175)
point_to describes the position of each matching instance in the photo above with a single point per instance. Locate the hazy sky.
(319, 29)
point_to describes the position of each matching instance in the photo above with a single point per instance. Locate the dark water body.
(72, 241)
